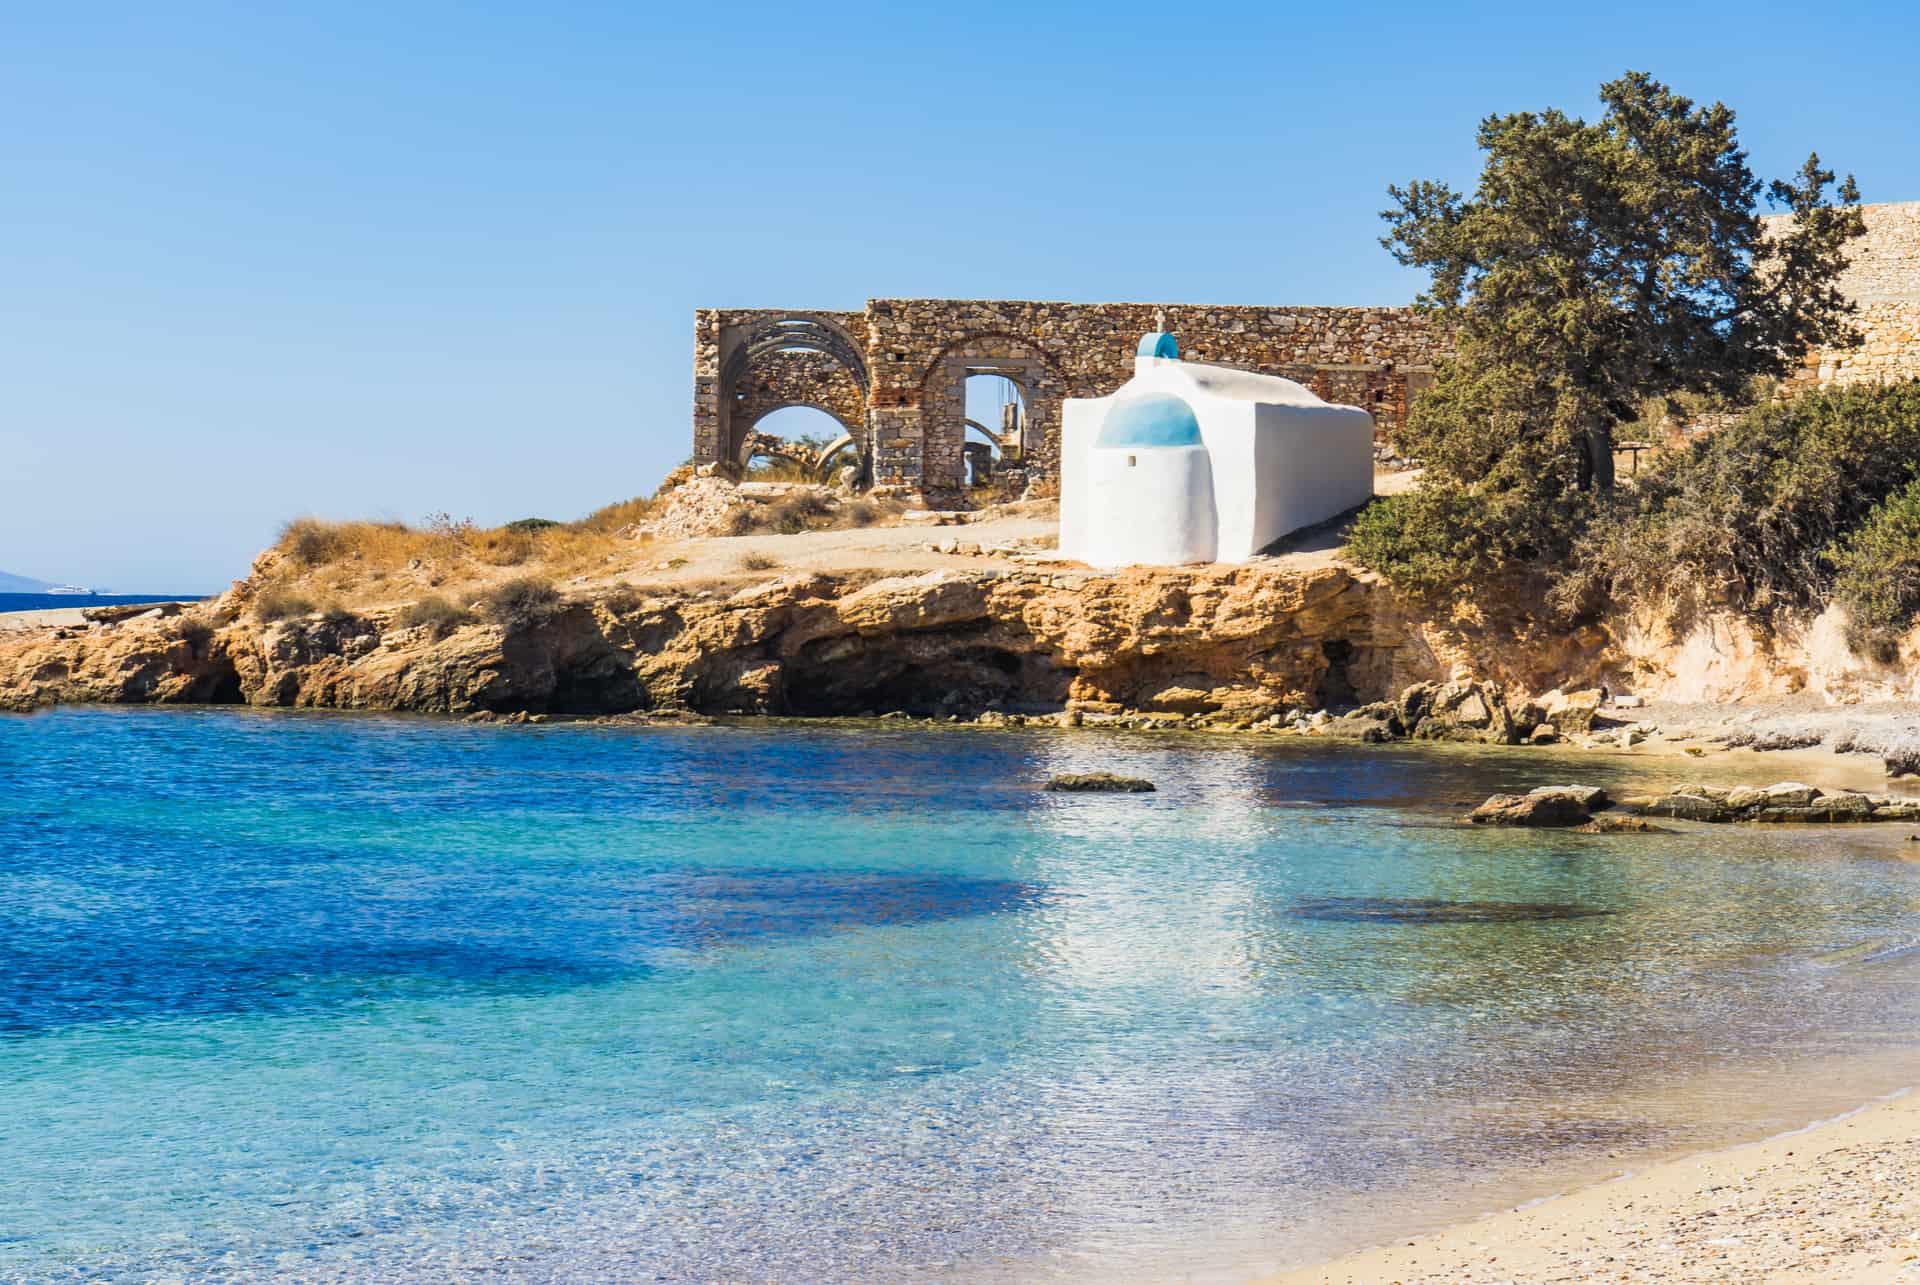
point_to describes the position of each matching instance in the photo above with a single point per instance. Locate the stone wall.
(1883, 278)
(910, 359)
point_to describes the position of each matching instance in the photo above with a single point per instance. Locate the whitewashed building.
(1187, 462)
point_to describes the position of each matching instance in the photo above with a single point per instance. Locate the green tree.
(1598, 264)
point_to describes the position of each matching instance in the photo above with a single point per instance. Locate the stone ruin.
(893, 376)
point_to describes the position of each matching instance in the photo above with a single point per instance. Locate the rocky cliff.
(1238, 643)
(1229, 644)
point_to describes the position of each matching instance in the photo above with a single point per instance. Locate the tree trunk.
(1596, 469)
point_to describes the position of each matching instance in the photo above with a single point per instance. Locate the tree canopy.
(1595, 265)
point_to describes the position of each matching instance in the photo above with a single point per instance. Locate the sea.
(55, 601)
(329, 997)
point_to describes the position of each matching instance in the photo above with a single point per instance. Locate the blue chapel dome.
(1149, 419)
(1158, 344)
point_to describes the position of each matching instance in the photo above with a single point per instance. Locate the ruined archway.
(779, 362)
(1030, 436)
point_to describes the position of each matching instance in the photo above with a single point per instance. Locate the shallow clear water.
(385, 999)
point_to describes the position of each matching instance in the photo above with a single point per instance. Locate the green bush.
(1747, 516)
(1441, 540)
(529, 525)
(437, 615)
(1877, 574)
(521, 603)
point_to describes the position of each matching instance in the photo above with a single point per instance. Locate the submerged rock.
(1405, 910)
(1099, 783)
(1621, 823)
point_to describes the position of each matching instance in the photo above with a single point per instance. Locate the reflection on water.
(374, 999)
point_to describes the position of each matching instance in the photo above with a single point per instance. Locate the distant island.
(10, 583)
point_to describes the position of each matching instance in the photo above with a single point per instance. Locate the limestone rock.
(1544, 810)
(1572, 713)
(1688, 807)
(1591, 797)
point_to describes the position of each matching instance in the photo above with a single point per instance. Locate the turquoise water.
(355, 998)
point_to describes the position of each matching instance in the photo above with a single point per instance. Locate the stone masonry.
(894, 375)
(1884, 280)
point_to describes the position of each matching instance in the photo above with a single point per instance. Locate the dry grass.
(338, 557)
(759, 562)
(282, 604)
(605, 521)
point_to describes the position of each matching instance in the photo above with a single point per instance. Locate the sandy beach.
(1838, 1203)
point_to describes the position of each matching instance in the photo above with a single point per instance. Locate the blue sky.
(385, 259)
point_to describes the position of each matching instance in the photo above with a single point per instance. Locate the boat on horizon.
(71, 589)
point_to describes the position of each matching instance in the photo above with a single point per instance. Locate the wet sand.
(1838, 1202)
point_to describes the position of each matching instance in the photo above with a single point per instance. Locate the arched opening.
(996, 412)
(1015, 407)
(785, 445)
(790, 387)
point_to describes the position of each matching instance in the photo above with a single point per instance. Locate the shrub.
(312, 542)
(613, 517)
(1748, 516)
(281, 604)
(1877, 574)
(758, 562)
(521, 603)
(438, 616)
(1441, 540)
(859, 513)
(506, 547)
(337, 616)
(527, 526)
(793, 513)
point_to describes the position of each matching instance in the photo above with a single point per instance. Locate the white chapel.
(1187, 462)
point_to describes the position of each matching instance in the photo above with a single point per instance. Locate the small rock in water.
(1099, 783)
(1590, 796)
(1621, 823)
(1550, 809)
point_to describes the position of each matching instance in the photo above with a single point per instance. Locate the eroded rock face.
(1243, 642)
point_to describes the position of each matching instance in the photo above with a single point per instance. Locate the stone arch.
(1025, 362)
(789, 359)
(823, 462)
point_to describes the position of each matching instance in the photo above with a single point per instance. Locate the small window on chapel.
(1132, 460)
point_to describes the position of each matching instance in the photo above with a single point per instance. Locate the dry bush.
(793, 513)
(521, 603)
(281, 604)
(607, 520)
(312, 542)
(505, 547)
(864, 512)
(337, 616)
(437, 615)
(759, 562)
